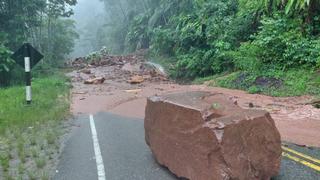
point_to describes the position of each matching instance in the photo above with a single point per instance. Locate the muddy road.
(297, 122)
(107, 135)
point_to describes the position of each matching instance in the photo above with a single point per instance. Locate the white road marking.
(97, 151)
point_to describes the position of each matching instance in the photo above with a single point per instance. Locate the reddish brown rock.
(202, 136)
(136, 79)
(97, 80)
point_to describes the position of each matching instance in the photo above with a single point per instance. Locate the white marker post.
(27, 67)
(27, 57)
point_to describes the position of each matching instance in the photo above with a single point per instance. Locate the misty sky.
(89, 16)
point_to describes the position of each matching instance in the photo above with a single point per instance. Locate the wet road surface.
(125, 156)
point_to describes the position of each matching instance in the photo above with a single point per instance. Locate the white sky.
(87, 11)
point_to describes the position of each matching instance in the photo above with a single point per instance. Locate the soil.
(297, 122)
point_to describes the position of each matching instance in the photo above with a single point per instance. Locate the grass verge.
(50, 102)
(295, 82)
(30, 134)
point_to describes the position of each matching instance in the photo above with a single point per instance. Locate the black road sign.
(27, 57)
(27, 50)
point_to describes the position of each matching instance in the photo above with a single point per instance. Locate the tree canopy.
(207, 37)
(39, 22)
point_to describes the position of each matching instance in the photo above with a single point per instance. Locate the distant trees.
(41, 22)
(212, 37)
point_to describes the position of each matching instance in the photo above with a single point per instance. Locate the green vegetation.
(30, 134)
(43, 23)
(266, 40)
(50, 103)
(40, 162)
(294, 82)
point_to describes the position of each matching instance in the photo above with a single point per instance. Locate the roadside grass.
(40, 162)
(295, 82)
(50, 102)
(30, 134)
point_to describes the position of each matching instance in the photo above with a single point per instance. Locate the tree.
(5, 61)
(61, 40)
(25, 20)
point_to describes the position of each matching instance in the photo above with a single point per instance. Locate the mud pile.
(105, 60)
(131, 68)
(203, 136)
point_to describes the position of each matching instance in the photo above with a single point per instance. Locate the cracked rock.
(203, 136)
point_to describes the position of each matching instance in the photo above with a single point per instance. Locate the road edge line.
(315, 160)
(97, 151)
(301, 161)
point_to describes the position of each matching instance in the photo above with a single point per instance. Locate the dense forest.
(274, 40)
(256, 43)
(40, 22)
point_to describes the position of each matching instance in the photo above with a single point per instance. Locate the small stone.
(86, 71)
(251, 105)
(98, 80)
(136, 79)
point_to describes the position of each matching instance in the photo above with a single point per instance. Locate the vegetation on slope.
(265, 39)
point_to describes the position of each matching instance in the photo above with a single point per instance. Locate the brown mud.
(297, 122)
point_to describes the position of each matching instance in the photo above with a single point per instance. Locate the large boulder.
(203, 136)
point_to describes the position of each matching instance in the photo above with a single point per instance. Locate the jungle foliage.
(43, 23)
(207, 37)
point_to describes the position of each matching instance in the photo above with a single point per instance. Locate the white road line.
(97, 151)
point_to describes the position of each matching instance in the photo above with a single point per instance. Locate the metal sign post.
(27, 68)
(27, 57)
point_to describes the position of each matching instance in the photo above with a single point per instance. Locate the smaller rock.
(98, 80)
(136, 79)
(315, 103)
(92, 76)
(86, 71)
(135, 91)
(131, 68)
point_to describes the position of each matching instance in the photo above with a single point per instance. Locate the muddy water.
(296, 122)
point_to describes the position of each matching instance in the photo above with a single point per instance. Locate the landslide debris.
(132, 68)
(203, 136)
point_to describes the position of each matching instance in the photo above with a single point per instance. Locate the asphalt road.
(125, 155)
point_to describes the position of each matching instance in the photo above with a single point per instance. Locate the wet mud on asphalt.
(298, 123)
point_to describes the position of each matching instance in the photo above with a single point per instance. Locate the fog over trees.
(197, 38)
(45, 24)
(89, 17)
